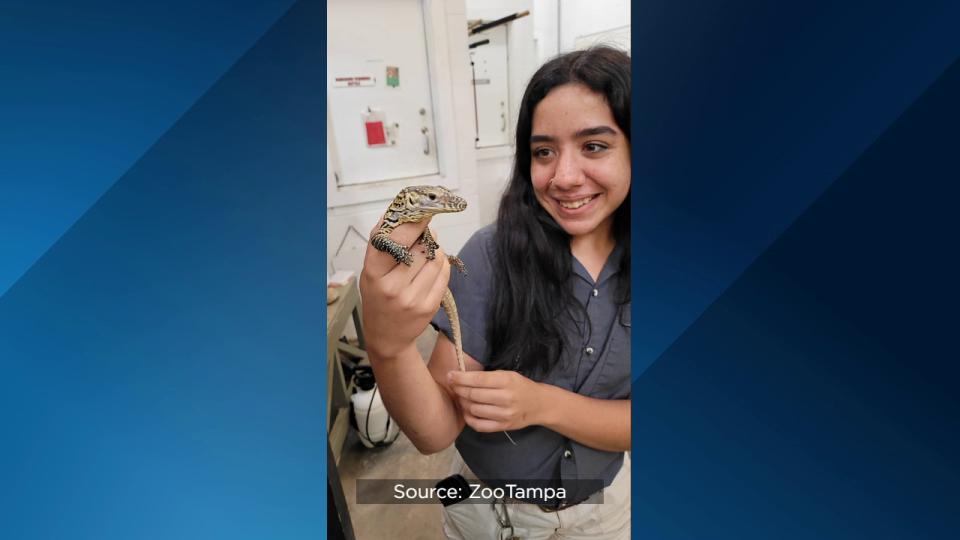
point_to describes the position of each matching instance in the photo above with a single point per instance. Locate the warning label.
(354, 80)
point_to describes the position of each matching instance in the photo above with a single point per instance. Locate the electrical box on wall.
(488, 59)
(379, 91)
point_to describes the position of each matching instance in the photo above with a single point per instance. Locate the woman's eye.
(594, 147)
(541, 152)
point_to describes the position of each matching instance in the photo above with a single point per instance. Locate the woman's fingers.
(483, 425)
(481, 379)
(407, 273)
(433, 283)
(422, 295)
(494, 400)
(423, 279)
(485, 412)
(379, 263)
(490, 396)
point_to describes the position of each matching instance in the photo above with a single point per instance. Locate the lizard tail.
(450, 307)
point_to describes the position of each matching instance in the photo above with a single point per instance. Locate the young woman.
(545, 319)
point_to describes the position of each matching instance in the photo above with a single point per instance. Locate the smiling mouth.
(573, 205)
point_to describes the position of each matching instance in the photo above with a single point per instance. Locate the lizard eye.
(433, 196)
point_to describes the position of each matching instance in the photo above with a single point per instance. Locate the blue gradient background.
(88, 88)
(161, 312)
(795, 368)
(162, 272)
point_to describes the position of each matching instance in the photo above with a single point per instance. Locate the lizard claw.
(456, 262)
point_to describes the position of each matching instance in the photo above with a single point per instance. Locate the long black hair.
(533, 263)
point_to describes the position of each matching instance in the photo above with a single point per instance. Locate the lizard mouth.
(447, 207)
(455, 204)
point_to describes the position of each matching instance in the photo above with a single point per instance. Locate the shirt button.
(596, 292)
(588, 350)
(567, 454)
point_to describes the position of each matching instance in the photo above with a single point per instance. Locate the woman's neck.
(593, 249)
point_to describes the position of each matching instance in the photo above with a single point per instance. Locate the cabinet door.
(490, 83)
(379, 95)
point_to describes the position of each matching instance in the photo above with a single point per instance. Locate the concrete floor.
(400, 460)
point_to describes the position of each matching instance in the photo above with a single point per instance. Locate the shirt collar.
(610, 268)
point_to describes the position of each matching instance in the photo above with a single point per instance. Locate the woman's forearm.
(603, 424)
(419, 405)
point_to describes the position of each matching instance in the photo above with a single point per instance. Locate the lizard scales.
(413, 205)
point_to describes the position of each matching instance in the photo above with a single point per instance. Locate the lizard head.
(431, 200)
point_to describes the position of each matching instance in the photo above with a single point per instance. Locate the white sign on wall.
(349, 81)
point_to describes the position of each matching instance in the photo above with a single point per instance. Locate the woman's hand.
(400, 300)
(497, 400)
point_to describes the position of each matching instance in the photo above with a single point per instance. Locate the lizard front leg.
(382, 242)
(428, 241)
(457, 263)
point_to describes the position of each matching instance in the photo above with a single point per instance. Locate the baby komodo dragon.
(413, 205)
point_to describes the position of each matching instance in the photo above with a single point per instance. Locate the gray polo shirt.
(595, 365)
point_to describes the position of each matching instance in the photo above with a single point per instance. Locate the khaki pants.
(480, 521)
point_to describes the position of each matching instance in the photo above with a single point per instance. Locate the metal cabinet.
(379, 91)
(489, 62)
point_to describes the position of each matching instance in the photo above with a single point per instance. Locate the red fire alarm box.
(376, 134)
(375, 128)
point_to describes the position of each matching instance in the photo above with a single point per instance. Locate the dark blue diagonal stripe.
(637, 375)
(816, 398)
(87, 88)
(745, 115)
(163, 362)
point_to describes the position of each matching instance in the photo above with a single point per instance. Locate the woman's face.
(580, 160)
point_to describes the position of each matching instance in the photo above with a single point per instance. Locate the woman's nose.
(568, 173)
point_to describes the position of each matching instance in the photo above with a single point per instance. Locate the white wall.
(582, 17)
(546, 29)
(558, 23)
